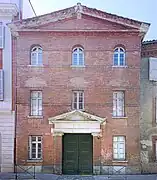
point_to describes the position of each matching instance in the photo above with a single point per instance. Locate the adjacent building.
(10, 10)
(148, 120)
(77, 91)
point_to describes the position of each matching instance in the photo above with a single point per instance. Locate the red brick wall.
(99, 80)
(149, 49)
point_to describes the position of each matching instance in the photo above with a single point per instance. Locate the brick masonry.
(56, 78)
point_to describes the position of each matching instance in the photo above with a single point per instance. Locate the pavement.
(11, 176)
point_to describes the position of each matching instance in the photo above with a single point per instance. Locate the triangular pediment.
(78, 18)
(76, 115)
(84, 23)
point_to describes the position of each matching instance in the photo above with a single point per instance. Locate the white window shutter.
(156, 149)
(1, 85)
(156, 109)
(30, 147)
(152, 69)
(2, 32)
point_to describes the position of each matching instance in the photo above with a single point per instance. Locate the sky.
(142, 10)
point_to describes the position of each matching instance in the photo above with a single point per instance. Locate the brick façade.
(57, 79)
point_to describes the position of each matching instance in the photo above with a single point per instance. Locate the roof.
(77, 11)
(149, 42)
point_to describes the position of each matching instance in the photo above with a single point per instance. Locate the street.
(11, 176)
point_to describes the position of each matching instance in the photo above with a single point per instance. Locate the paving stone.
(63, 177)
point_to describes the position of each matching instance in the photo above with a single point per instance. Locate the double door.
(77, 154)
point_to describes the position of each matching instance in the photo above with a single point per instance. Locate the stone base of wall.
(149, 168)
(97, 170)
(7, 168)
(116, 170)
(7, 133)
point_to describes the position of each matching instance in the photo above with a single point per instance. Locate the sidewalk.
(11, 176)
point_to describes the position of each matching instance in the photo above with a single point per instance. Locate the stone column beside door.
(96, 153)
(57, 147)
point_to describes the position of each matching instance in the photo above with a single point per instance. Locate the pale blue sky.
(143, 10)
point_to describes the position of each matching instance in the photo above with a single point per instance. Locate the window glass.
(78, 57)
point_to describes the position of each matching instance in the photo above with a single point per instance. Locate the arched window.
(36, 56)
(78, 57)
(119, 57)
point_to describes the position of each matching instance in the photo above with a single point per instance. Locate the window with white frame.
(78, 100)
(36, 103)
(78, 57)
(1, 85)
(35, 147)
(119, 57)
(36, 56)
(118, 104)
(119, 147)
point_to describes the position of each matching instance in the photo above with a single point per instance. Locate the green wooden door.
(77, 154)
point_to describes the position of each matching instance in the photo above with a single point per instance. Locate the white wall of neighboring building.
(7, 116)
(9, 9)
(23, 5)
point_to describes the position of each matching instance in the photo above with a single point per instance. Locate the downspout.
(14, 43)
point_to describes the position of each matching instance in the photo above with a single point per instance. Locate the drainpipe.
(14, 43)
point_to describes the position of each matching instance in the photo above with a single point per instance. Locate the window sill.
(35, 65)
(118, 117)
(35, 117)
(120, 161)
(34, 160)
(119, 66)
(75, 66)
(78, 109)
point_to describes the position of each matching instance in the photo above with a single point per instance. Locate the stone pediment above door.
(76, 115)
(76, 122)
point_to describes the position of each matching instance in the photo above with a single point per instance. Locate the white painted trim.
(71, 30)
(61, 127)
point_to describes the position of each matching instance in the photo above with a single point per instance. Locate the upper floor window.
(78, 57)
(118, 104)
(78, 100)
(36, 56)
(36, 103)
(119, 57)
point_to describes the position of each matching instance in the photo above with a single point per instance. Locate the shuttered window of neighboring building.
(1, 85)
(2, 33)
